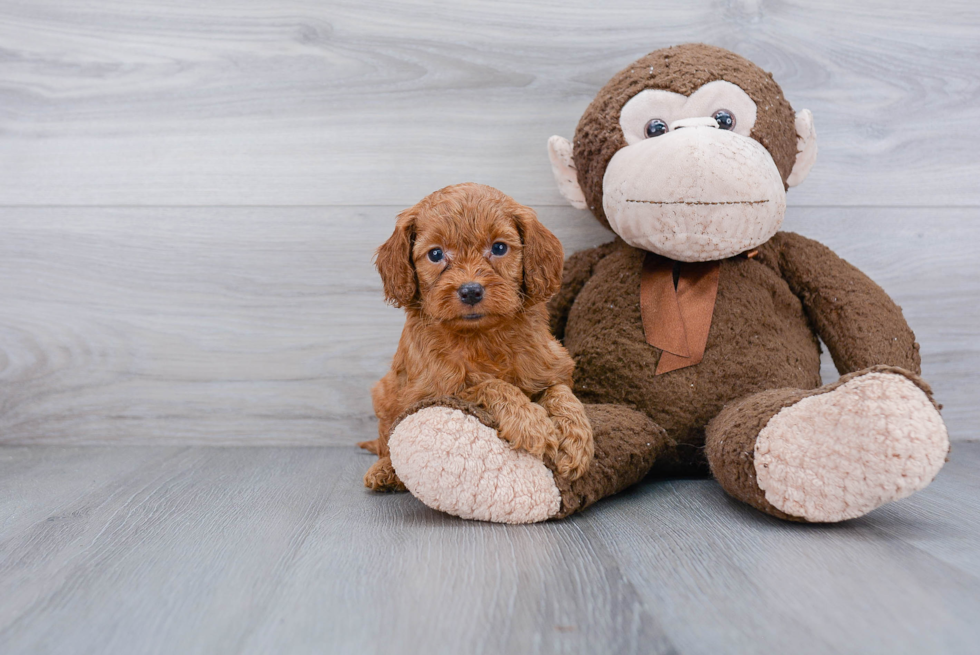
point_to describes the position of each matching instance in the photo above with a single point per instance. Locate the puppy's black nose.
(471, 293)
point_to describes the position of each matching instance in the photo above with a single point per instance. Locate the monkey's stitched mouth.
(699, 202)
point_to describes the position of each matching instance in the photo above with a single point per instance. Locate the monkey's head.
(688, 153)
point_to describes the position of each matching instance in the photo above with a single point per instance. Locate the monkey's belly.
(759, 339)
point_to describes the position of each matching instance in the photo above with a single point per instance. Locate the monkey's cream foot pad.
(454, 463)
(838, 455)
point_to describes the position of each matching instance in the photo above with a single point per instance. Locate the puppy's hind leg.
(381, 476)
(373, 446)
(385, 397)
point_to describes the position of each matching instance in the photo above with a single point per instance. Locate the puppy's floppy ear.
(394, 261)
(543, 256)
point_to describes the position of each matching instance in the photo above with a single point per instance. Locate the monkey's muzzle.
(694, 194)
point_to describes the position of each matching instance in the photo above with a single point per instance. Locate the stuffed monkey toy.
(696, 331)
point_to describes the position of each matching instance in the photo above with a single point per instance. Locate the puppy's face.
(469, 261)
(469, 256)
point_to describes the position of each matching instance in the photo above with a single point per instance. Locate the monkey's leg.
(832, 453)
(450, 456)
(627, 443)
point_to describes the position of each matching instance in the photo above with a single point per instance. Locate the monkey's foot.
(847, 449)
(455, 463)
(449, 455)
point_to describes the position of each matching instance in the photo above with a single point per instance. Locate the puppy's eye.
(435, 255)
(498, 249)
(725, 119)
(655, 127)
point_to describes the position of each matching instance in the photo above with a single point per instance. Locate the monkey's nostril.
(470, 293)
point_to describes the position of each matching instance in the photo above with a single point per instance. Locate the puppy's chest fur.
(524, 355)
(494, 357)
(506, 356)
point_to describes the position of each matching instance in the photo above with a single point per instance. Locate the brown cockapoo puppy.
(473, 269)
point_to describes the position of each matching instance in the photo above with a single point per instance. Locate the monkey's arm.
(861, 325)
(578, 269)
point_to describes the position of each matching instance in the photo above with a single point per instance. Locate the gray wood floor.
(280, 550)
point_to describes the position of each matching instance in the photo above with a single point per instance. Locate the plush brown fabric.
(731, 436)
(762, 351)
(762, 333)
(679, 69)
(759, 339)
(730, 444)
(578, 271)
(627, 443)
(857, 320)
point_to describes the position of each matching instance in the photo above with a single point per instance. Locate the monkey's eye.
(655, 127)
(435, 255)
(725, 119)
(498, 249)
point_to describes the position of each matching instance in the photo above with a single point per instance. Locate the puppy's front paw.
(577, 447)
(530, 428)
(381, 477)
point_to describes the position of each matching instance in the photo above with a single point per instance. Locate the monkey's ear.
(563, 166)
(806, 147)
(394, 261)
(543, 256)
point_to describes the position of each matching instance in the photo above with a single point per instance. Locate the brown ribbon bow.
(677, 319)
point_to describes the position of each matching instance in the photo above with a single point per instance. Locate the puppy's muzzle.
(470, 293)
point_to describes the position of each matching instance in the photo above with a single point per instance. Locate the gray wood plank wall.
(190, 192)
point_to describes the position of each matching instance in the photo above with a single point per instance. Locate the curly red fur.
(499, 353)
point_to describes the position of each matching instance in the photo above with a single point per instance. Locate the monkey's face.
(691, 184)
(687, 153)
